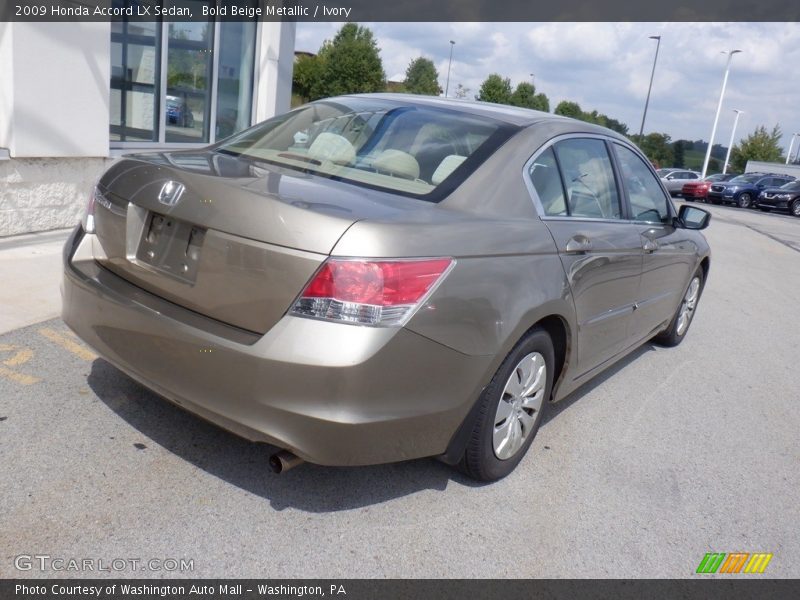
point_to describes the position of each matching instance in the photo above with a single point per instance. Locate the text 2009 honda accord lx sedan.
(377, 278)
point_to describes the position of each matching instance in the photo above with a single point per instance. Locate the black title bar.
(407, 10)
(361, 589)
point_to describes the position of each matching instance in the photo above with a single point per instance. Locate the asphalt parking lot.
(671, 454)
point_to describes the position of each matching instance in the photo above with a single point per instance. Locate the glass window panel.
(235, 77)
(547, 182)
(134, 77)
(188, 99)
(589, 178)
(648, 202)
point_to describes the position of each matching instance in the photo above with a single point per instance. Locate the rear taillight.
(370, 292)
(88, 216)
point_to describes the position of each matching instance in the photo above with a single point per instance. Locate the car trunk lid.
(228, 239)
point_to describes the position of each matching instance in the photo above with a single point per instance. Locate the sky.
(606, 67)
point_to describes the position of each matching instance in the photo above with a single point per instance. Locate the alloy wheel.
(744, 201)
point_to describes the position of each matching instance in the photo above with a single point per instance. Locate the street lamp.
(791, 145)
(652, 74)
(450, 62)
(730, 144)
(533, 80)
(730, 54)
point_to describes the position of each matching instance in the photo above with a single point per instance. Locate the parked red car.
(698, 189)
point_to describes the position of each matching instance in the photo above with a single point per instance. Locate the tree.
(566, 108)
(525, 96)
(350, 63)
(657, 148)
(422, 77)
(495, 89)
(306, 76)
(617, 126)
(759, 145)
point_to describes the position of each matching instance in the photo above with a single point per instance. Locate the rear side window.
(588, 178)
(547, 181)
(648, 202)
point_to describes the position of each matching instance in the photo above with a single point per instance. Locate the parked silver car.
(674, 179)
(410, 277)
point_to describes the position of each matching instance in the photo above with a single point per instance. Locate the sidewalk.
(30, 276)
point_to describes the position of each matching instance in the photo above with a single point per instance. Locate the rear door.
(601, 253)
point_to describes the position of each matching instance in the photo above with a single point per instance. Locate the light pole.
(730, 144)
(533, 80)
(791, 145)
(797, 154)
(652, 74)
(730, 54)
(450, 62)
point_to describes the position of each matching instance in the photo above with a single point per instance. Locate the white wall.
(274, 64)
(6, 87)
(57, 75)
(754, 166)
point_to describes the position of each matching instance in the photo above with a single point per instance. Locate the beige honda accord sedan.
(376, 278)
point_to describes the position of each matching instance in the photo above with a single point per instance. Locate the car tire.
(795, 207)
(713, 201)
(682, 320)
(511, 409)
(744, 200)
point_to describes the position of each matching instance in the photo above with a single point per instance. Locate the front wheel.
(511, 409)
(679, 325)
(795, 208)
(745, 200)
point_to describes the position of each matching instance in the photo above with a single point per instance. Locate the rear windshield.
(746, 178)
(415, 151)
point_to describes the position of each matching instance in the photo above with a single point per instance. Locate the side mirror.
(691, 217)
(670, 177)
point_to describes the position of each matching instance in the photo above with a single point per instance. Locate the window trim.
(624, 200)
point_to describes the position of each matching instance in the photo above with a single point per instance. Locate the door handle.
(649, 245)
(578, 244)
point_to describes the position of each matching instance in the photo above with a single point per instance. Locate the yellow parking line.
(19, 358)
(6, 348)
(77, 349)
(18, 377)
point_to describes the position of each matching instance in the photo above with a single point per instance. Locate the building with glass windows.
(73, 96)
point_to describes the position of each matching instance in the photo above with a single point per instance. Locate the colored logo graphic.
(734, 562)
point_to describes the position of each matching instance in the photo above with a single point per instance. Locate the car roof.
(513, 115)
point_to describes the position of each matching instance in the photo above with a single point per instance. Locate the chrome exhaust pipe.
(284, 460)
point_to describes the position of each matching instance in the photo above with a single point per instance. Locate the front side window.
(413, 150)
(588, 178)
(647, 199)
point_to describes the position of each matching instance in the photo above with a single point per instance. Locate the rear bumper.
(333, 394)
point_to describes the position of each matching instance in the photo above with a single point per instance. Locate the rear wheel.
(511, 409)
(745, 200)
(680, 323)
(795, 208)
